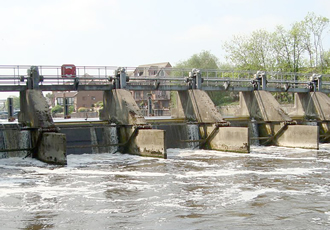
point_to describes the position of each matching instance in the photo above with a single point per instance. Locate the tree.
(315, 27)
(281, 50)
(204, 60)
(289, 47)
(252, 52)
(50, 97)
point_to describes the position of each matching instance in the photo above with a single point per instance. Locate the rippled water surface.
(270, 188)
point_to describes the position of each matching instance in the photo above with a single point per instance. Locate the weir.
(196, 122)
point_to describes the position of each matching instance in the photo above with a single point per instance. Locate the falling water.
(94, 140)
(24, 140)
(193, 134)
(254, 132)
(113, 139)
(110, 137)
(2, 145)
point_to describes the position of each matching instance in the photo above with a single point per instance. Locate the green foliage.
(99, 104)
(202, 60)
(291, 50)
(57, 109)
(71, 109)
(83, 109)
(16, 102)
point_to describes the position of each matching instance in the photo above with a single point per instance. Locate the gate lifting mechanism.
(259, 81)
(195, 79)
(120, 79)
(33, 78)
(315, 82)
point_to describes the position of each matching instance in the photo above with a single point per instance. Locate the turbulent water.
(270, 188)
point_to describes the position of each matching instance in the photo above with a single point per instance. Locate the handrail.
(171, 78)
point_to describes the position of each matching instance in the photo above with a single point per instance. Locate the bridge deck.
(100, 78)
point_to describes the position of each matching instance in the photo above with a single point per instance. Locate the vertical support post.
(33, 78)
(195, 79)
(263, 81)
(66, 108)
(319, 83)
(122, 77)
(315, 82)
(149, 113)
(120, 80)
(10, 109)
(198, 79)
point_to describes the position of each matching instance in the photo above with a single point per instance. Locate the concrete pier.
(313, 106)
(196, 105)
(135, 134)
(275, 126)
(48, 144)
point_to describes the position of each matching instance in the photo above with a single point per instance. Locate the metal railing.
(13, 78)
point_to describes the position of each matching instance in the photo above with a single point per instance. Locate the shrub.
(83, 109)
(57, 109)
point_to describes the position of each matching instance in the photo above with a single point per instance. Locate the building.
(87, 99)
(160, 99)
(79, 99)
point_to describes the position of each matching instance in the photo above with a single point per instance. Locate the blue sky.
(133, 32)
(129, 33)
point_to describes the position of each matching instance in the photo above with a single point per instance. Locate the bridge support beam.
(135, 134)
(48, 145)
(275, 126)
(195, 105)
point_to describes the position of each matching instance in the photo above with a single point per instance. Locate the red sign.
(68, 70)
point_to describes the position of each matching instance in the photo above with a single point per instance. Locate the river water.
(270, 188)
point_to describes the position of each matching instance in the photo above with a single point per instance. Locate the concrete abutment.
(195, 105)
(272, 124)
(313, 107)
(48, 144)
(136, 136)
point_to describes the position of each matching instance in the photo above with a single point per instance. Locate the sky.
(133, 32)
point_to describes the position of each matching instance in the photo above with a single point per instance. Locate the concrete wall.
(148, 142)
(135, 134)
(261, 105)
(52, 148)
(120, 107)
(300, 136)
(231, 139)
(49, 145)
(14, 139)
(311, 105)
(196, 105)
(35, 110)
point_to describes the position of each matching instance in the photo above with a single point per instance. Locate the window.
(84, 98)
(70, 100)
(93, 98)
(60, 100)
